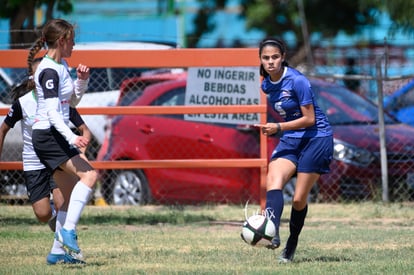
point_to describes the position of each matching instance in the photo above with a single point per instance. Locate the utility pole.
(305, 34)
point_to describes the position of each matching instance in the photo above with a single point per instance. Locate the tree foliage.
(273, 17)
(401, 13)
(203, 22)
(23, 20)
(327, 17)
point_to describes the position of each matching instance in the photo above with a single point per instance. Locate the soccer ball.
(258, 230)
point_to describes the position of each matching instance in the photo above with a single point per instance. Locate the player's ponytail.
(37, 46)
(28, 83)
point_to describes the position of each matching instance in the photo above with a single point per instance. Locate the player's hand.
(81, 142)
(82, 72)
(268, 129)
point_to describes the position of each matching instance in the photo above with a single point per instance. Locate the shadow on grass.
(151, 219)
(323, 259)
(175, 217)
(10, 221)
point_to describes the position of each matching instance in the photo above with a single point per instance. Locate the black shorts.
(39, 184)
(52, 148)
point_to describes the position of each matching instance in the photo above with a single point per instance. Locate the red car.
(356, 171)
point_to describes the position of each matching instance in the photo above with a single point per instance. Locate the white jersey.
(55, 89)
(24, 110)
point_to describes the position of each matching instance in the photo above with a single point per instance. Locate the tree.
(325, 17)
(23, 30)
(401, 13)
(203, 22)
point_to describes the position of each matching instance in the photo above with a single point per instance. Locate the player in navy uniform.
(54, 142)
(306, 144)
(38, 179)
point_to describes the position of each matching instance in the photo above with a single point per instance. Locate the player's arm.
(85, 132)
(81, 84)
(83, 129)
(49, 80)
(13, 116)
(4, 128)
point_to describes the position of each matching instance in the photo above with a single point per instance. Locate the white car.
(11, 182)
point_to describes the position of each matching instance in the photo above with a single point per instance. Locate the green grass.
(366, 238)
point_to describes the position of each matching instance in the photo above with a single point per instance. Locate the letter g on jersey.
(49, 84)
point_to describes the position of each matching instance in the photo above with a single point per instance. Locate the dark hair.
(27, 84)
(276, 42)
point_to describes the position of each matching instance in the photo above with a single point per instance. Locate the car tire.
(126, 187)
(289, 191)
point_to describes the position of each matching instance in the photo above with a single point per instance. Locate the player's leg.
(38, 191)
(80, 167)
(304, 184)
(280, 171)
(42, 209)
(315, 157)
(57, 253)
(55, 204)
(66, 183)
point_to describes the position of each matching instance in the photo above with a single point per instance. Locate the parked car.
(401, 103)
(104, 83)
(11, 182)
(103, 90)
(356, 171)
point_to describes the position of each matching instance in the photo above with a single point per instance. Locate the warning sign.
(214, 86)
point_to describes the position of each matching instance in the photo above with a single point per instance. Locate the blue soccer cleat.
(69, 239)
(53, 259)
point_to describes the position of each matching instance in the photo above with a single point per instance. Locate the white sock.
(57, 247)
(52, 207)
(78, 199)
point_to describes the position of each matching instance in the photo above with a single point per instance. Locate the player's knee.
(43, 215)
(90, 178)
(299, 204)
(42, 210)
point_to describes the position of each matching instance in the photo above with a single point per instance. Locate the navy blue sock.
(297, 220)
(274, 206)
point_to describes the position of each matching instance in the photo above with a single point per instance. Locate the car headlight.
(351, 154)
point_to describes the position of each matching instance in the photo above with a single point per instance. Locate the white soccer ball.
(258, 230)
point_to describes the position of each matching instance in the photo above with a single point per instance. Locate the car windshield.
(405, 100)
(344, 107)
(109, 79)
(8, 78)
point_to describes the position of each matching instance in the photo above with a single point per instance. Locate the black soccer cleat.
(288, 252)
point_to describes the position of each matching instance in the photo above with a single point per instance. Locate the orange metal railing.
(174, 58)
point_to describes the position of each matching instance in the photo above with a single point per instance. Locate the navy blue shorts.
(39, 184)
(310, 155)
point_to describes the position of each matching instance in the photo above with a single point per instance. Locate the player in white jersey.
(38, 179)
(54, 142)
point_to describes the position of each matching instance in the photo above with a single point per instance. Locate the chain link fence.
(357, 172)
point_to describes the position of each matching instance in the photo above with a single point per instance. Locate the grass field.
(365, 238)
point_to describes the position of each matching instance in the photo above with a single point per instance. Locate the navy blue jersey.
(288, 94)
